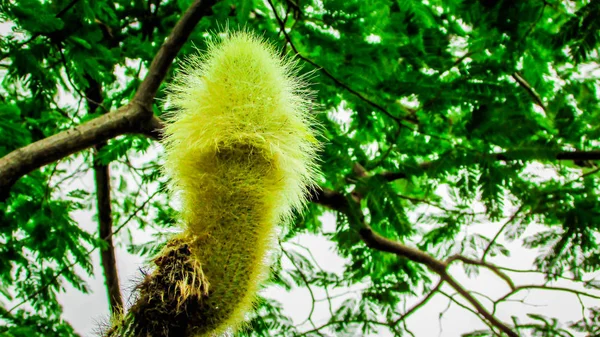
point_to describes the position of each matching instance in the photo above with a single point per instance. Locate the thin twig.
(69, 266)
(305, 280)
(491, 243)
(453, 300)
(583, 318)
(327, 73)
(545, 287)
(523, 83)
(325, 287)
(489, 266)
(70, 80)
(328, 324)
(545, 274)
(419, 304)
(35, 35)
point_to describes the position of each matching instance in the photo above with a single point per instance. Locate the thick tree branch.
(153, 128)
(336, 201)
(105, 223)
(329, 198)
(169, 50)
(135, 117)
(378, 242)
(375, 241)
(107, 255)
(26, 159)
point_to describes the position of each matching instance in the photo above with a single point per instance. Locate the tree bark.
(103, 200)
(107, 254)
(339, 202)
(169, 50)
(136, 117)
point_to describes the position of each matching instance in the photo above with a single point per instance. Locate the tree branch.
(378, 242)
(336, 201)
(169, 50)
(466, 307)
(482, 263)
(136, 117)
(420, 303)
(153, 128)
(72, 264)
(105, 223)
(333, 78)
(26, 159)
(478, 307)
(523, 83)
(544, 287)
(107, 255)
(330, 323)
(493, 242)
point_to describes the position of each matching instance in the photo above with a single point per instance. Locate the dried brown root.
(169, 300)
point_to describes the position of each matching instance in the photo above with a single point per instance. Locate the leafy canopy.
(428, 108)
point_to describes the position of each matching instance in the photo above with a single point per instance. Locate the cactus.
(240, 153)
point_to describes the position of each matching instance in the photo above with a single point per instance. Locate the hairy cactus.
(240, 156)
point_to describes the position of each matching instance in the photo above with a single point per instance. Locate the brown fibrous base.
(169, 300)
